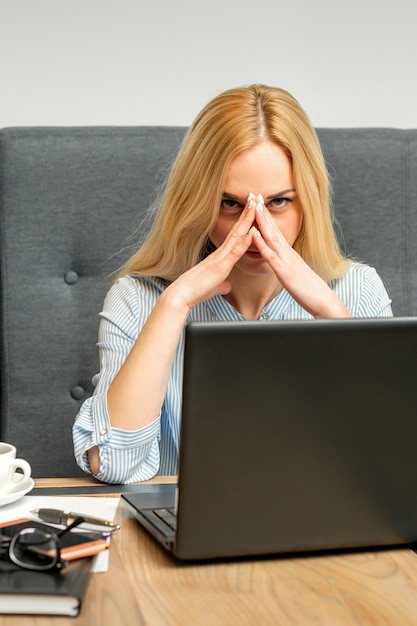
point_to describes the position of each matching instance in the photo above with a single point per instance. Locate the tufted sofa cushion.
(70, 199)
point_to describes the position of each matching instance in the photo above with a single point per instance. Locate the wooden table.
(145, 586)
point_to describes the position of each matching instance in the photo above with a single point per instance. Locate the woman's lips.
(254, 254)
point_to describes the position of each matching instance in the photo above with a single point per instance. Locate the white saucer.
(16, 492)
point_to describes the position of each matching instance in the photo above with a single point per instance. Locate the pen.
(56, 516)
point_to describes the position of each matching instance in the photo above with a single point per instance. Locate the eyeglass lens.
(35, 549)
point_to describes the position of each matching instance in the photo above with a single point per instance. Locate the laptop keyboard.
(167, 516)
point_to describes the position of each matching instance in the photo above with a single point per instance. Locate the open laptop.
(295, 437)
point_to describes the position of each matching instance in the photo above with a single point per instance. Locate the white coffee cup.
(9, 476)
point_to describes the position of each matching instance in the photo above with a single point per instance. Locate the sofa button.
(71, 278)
(78, 392)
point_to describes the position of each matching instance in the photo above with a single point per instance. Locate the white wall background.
(91, 62)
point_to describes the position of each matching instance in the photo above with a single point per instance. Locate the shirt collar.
(226, 312)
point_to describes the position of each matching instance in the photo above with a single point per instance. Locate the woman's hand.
(210, 277)
(305, 286)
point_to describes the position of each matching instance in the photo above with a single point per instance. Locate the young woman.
(243, 231)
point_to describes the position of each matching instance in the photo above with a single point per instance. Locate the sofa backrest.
(374, 175)
(70, 200)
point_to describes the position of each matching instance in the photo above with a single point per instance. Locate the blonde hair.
(237, 120)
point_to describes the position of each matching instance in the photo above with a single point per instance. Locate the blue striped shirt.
(130, 456)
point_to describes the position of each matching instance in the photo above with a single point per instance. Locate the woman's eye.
(231, 205)
(280, 203)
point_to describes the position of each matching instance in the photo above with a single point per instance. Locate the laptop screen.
(298, 436)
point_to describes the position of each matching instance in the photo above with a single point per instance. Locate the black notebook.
(30, 592)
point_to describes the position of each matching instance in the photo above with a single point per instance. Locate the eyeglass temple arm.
(74, 524)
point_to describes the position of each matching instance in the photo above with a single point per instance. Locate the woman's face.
(264, 169)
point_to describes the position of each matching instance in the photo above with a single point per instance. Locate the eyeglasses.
(37, 548)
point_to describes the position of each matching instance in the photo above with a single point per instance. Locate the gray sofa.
(70, 201)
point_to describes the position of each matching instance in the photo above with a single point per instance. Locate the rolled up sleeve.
(125, 456)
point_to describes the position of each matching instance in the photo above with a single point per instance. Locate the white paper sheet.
(104, 508)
